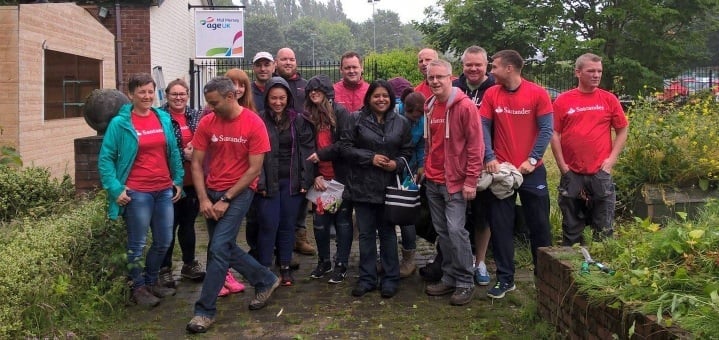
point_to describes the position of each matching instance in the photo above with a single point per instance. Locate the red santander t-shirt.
(514, 115)
(434, 161)
(150, 171)
(324, 139)
(584, 122)
(229, 144)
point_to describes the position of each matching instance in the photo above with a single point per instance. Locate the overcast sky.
(360, 10)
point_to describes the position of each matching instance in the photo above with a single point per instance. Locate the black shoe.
(388, 292)
(323, 267)
(338, 274)
(361, 290)
(431, 272)
(286, 278)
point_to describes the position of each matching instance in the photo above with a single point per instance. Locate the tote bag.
(402, 205)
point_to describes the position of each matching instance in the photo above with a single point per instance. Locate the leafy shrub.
(397, 63)
(31, 191)
(669, 272)
(63, 273)
(670, 144)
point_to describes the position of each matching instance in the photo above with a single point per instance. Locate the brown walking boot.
(302, 245)
(407, 266)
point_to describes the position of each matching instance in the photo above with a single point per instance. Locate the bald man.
(424, 57)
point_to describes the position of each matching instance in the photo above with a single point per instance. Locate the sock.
(482, 267)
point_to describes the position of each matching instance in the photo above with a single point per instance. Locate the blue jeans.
(342, 220)
(535, 206)
(276, 217)
(449, 212)
(224, 253)
(148, 210)
(371, 223)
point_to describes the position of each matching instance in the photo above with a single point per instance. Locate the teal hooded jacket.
(118, 151)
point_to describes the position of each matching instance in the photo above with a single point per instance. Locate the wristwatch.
(225, 199)
(532, 161)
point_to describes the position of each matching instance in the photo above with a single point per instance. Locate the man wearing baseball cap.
(263, 66)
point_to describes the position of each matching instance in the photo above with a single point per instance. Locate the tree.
(262, 33)
(641, 41)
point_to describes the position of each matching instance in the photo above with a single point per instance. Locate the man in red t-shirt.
(235, 141)
(585, 153)
(517, 123)
(453, 161)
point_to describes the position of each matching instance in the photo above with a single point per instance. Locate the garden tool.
(589, 261)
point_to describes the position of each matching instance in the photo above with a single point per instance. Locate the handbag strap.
(406, 164)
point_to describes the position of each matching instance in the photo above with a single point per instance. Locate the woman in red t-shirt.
(141, 169)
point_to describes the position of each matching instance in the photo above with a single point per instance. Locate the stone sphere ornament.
(100, 106)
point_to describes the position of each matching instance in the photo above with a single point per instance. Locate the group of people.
(475, 142)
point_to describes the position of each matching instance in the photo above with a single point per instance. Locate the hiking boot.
(323, 267)
(165, 278)
(199, 324)
(260, 300)
(407, 266)
(338, 274)
(461, 296)
(286, 278)
(161, 291)
(143, 297)
(438, 289)
(499, 289)
(193, 271)
(303, 246)
(232, 285)
(481, 277)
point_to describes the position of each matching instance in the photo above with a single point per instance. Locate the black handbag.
(402, 205)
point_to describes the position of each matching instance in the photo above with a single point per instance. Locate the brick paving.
(333, 312)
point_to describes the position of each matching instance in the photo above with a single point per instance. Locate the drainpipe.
(118, 48)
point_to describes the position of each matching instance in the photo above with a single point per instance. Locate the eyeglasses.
(433, 78)
(178, 94)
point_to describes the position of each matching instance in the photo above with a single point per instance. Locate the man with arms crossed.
(235, 140)
(582, 145)
(517, 123)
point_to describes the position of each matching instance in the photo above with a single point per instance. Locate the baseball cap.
(262, 55)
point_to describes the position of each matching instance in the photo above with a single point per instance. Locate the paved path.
(314, 309)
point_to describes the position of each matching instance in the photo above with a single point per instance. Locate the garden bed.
(561, 304)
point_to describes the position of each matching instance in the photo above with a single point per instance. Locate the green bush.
(397, 63)
(670, 144)
(31, 191)
(62, 274)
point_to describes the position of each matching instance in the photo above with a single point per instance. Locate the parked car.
(674, 91)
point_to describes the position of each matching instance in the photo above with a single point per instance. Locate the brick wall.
(570, 312)
(62, 27)
(135, 39)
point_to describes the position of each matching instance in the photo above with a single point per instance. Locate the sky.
(360, 10)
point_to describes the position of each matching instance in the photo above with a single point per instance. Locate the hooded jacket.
(476, 94)
(463, 145)
(119, 149)
(301, 147)
(333, 152)
(363, 140)
(296, 84)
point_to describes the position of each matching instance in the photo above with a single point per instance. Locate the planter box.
(560, 304)
(661, 202)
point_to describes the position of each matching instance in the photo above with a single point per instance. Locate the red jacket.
(464, 145)
(350, 97)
